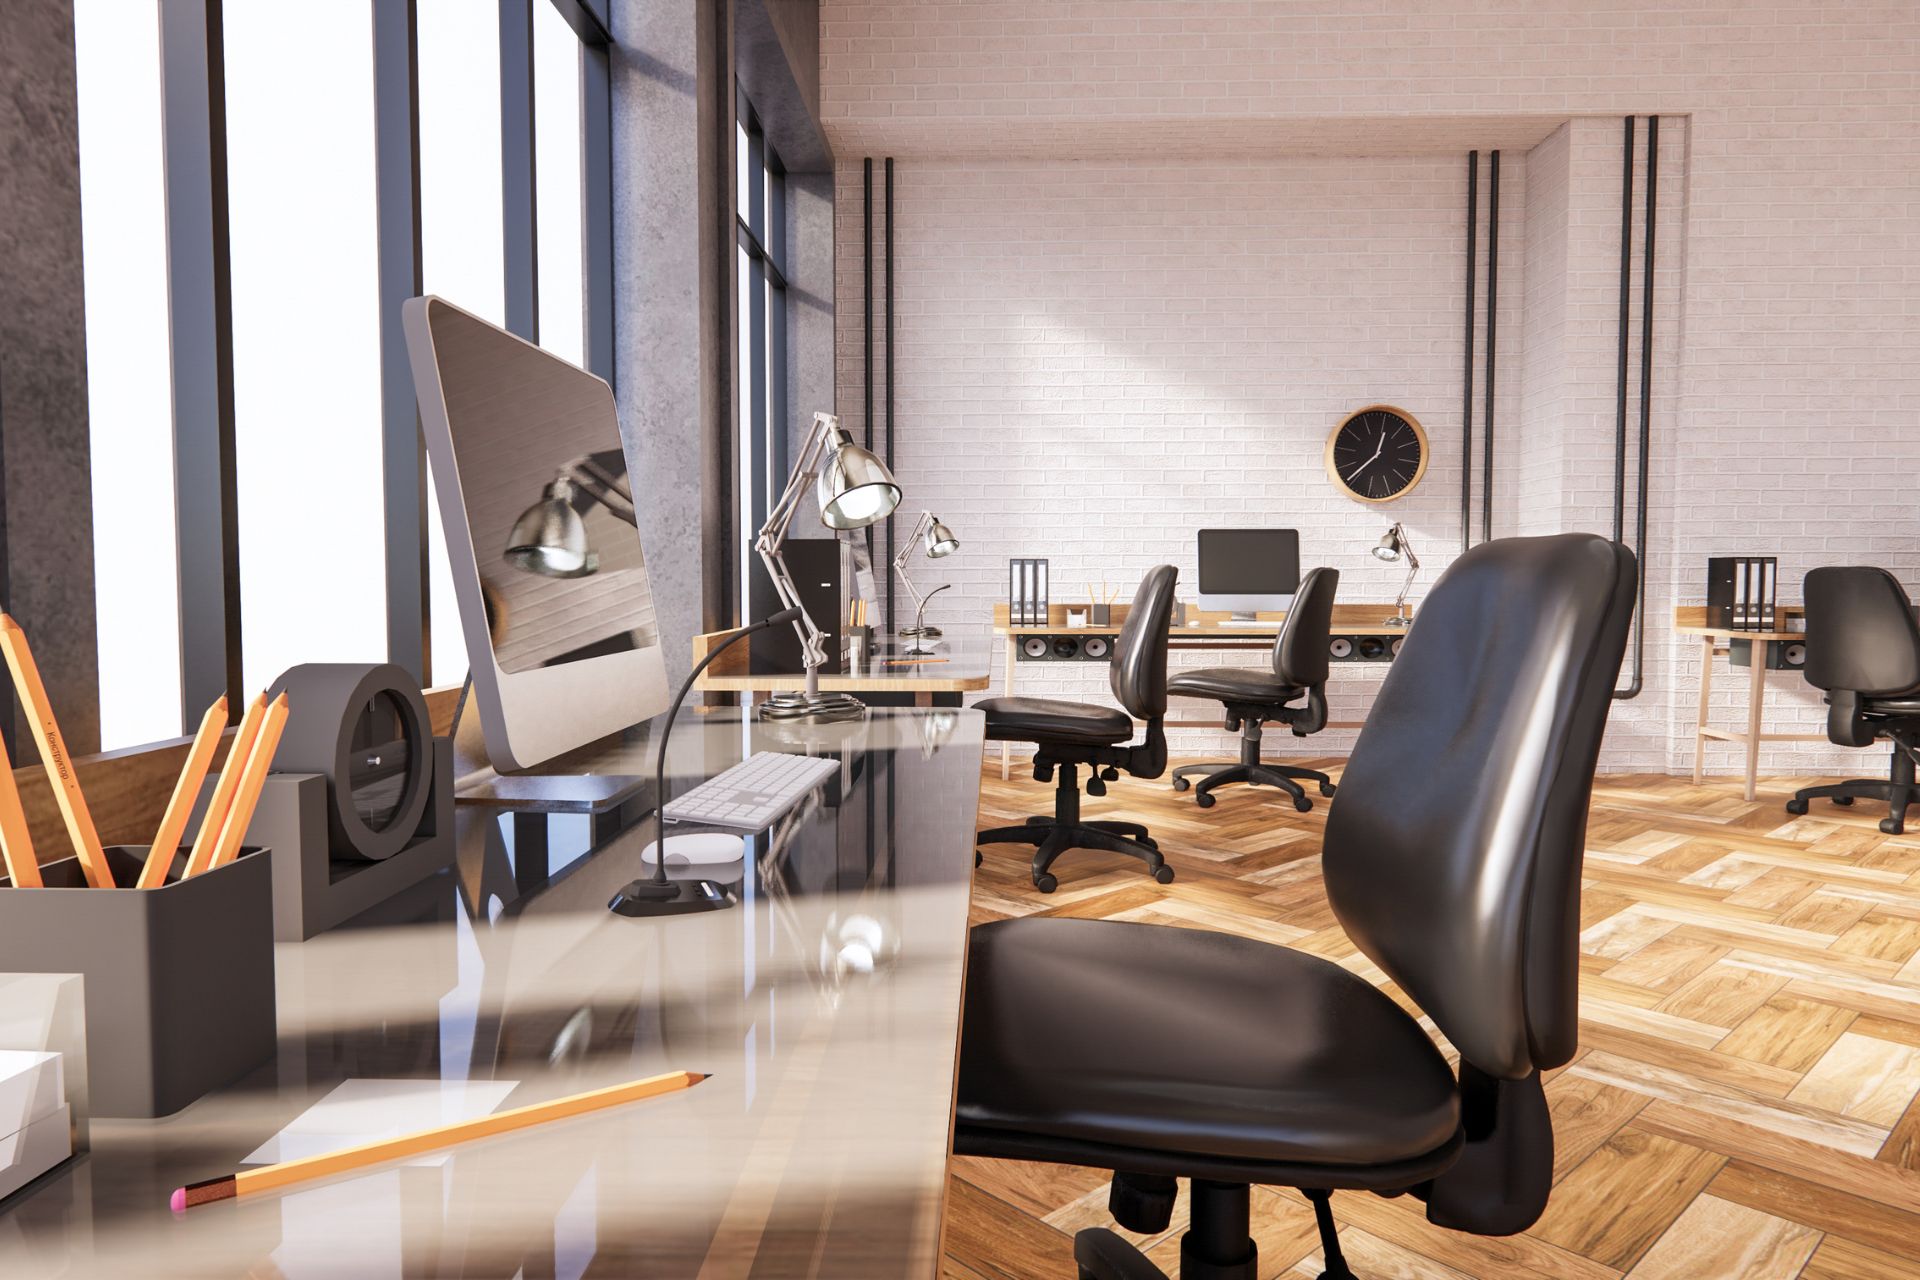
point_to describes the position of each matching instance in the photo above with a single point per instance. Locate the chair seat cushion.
(1903, 705)
(1047, 720)
(1233, 684)
(1191, 1042)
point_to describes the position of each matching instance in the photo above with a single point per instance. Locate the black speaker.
(1363, 648)
(815, 566)
(1065, 648)
(1787, 655)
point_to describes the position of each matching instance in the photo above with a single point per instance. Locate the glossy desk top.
(826, 1005)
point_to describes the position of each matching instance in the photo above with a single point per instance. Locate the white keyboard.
(754, 793)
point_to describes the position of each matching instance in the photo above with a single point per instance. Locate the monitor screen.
(541, 530)
(1249, 562)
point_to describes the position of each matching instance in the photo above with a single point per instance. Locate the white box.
(35, 1149)
(47, 1012)
(31, 1088)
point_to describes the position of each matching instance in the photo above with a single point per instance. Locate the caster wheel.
(1892, 826)
(1843, 800)
(1303, 804)
(1045, 883)
(1204, 799)
(1164, 875)
(1327, 788)
(1181, 784)
(1796, 806)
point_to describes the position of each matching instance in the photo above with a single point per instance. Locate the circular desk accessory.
(364, 727)
(701, 849)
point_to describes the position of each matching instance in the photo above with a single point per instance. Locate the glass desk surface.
(826, 1006)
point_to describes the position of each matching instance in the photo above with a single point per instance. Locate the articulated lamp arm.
(905, 554)
(773, 534)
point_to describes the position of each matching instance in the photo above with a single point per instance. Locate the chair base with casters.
(1898, 789)
(1250, 768)
(1065, 829)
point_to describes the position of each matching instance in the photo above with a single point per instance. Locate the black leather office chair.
(1253, 697)
(1863, 648)
(1452, 859)
(1070, 734)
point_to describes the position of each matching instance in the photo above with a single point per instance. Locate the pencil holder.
(1102, 615)
(178, 980)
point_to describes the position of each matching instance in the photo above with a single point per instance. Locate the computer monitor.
(562, 639)
(1247, 570)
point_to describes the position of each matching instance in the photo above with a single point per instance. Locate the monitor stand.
(561, 785)
(1244, 618)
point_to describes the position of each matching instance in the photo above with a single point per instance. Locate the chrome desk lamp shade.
(550, 538)
(855, 488)
(1392, 548)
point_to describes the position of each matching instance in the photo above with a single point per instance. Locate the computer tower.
(815, 566)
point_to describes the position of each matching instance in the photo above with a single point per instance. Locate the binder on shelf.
(1742, 592)
(1027, 592)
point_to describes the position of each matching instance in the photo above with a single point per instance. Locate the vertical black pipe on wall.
(1466, 379)
(1620, 382)
(1635, 685)
(888, 234)
(1493, 300)
(866, 301)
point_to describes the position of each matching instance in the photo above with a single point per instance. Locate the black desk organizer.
(179, 979)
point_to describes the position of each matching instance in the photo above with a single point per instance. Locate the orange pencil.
(274, 1177)
(173, 824)
(222, 797)
(53, 754)
(253, 776)
(16, 846)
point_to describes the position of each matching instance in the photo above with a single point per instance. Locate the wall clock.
(1377, 454)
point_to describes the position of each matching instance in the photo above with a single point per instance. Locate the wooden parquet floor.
(1744, 1099)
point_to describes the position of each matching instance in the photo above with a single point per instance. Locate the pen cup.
(859, 647)
(1102, 615)
(179, 980)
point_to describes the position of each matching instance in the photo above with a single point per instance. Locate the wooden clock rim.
(1426, 453)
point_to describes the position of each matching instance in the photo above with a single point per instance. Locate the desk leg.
(1006, 690)
(1760, 650)
(1706, 691)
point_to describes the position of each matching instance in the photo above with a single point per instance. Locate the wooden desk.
(1691, 620)
(962, 668)
(1200, 630)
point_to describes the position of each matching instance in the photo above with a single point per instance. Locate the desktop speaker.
(1364, 648)
(1065, 648)
(1096, 647)
(364, 728)
(1790, 655)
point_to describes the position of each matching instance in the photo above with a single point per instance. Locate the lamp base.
(820, 707)
(674, 898)
(1398, 620)
(927, 630)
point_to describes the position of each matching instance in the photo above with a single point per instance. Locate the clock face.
(1377, 454)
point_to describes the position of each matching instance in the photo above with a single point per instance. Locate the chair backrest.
(1300, 650)
(1453, 850)
(1137, 671)
(1861, 635)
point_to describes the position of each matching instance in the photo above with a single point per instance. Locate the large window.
(317, 115)
(129, 388)
(304, 258)
(761, 392)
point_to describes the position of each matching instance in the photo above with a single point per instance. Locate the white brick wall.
(1184, 274)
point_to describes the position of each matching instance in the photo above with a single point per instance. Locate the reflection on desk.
(826, 1007)
(959, 664)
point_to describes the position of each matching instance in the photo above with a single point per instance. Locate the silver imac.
(562, 638)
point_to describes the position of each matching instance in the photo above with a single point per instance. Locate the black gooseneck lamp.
(657, 895)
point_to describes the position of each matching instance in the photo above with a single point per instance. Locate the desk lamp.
(939, 541)
(855, 490)
(550, 538)
(1390, 549)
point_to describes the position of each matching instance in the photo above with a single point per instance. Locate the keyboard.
(754, 793)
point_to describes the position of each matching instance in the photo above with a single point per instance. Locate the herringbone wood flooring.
(1744, 1100)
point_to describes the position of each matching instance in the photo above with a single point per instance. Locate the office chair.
(1452, 859)
(1070, 734)
(1253, 697)
(1863, 648)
